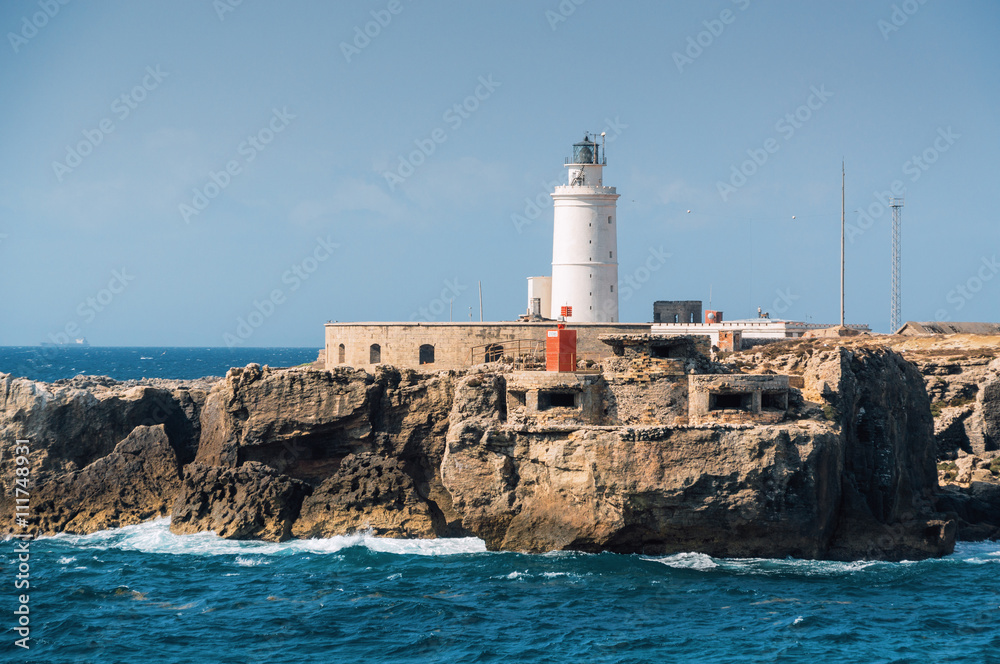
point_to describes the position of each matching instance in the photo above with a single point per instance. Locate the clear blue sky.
(312, 117)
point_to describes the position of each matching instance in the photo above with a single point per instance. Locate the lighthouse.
(585, 240)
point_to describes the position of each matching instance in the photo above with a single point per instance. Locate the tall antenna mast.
(894, 307)
(842, 178)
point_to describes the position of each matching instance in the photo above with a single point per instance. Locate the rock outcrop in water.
(845, 469)
(367, 446)
(102, 454)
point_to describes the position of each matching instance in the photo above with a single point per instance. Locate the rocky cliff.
(961, 374)
(102, 454)
(847, 472)
(363, 451)
(851, 475)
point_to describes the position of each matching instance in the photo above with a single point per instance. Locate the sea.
(143, 594)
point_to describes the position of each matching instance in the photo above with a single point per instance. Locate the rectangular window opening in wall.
(611, 254)
(609, 220)
(662, 352)
(774, 400)
(612, 288)
(730, 401)
(547, 400)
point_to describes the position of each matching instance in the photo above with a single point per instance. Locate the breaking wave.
(155, 537)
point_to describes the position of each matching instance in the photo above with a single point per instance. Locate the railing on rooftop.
(528, 354)
(518, 351)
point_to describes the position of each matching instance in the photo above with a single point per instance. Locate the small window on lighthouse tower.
(609, 219)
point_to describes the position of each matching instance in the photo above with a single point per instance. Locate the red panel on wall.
(560, 350)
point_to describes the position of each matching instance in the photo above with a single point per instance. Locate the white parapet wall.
(755, 330)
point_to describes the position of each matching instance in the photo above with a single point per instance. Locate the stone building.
(677, 311)
(434, 346)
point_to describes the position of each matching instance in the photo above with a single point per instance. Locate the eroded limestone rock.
(251, 501)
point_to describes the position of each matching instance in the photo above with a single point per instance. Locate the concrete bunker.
(737, 398)
(563, 398)
(660, 347)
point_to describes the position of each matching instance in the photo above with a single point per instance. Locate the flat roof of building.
(544, 323)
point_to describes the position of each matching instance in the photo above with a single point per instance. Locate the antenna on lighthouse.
(603, 159)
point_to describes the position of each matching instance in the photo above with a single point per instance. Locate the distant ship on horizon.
(82, 341)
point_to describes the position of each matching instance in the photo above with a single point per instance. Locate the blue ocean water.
(48, 363)
(142, 594)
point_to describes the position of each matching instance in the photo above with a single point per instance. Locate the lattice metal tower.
(894, 308)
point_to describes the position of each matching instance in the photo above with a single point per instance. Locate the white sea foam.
(418, 547)
(798, 567)
(698, 561)
(763, 566)
(66, 560)
(977, 553)
(155, 537)
(512, 576)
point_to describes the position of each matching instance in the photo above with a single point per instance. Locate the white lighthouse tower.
(585, 240)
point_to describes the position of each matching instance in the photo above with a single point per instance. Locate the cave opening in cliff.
(730, 401)
(548, 400)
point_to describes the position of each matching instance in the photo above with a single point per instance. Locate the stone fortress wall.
(433, 346)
